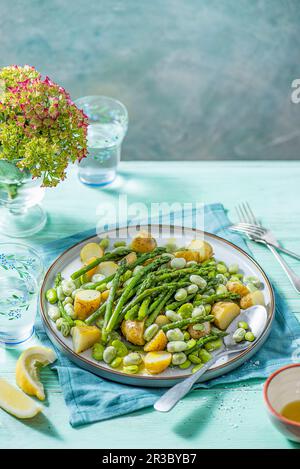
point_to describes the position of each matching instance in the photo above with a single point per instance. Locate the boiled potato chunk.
(204, 249)
(86, 302)
(130, 258)
(254, 298)
(91, 250)
(237, 287)
(158, 342)
(188, 255)
(107, 268)
(143, 242)
(198, 334)
(156, 362)
(224, 312)
(85, 337)
(133, 331)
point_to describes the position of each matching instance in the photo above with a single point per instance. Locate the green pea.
(116, 361)
(120, 347)
(204, 355)
(194, 358)
(104, 243)
(132, 369)
(197, 367)
(186, 336)
(243, 325)
(221, 268)
(213, 345)
(109, 354)
(178, 358)
(191, 344)
(51, 296)
(249, 336)
(97, 352)
(185, 365)
(185, 310)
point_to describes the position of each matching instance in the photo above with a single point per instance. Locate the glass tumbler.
(108, 122)
(21, 271)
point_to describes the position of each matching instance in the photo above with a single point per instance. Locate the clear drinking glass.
(21, 271)
(108, 122)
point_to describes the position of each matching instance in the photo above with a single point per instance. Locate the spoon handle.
(169, 399)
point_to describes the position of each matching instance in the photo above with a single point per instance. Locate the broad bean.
(239, 335)
(150, 332)
(53, 313)
(176, 346)
(172, 316)
(178, 358)
(178, 263)
(199, 281)
(181, 294)
(133, 358)
(68, 286)
(109, 354)
(175, 335)
(97, 352)
(51, 296)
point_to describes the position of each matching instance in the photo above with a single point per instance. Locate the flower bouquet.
(41, 132)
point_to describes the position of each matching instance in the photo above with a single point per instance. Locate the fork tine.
(255, 221)
(240, 214)
(251, 219)
(245, 229)
(251, 227)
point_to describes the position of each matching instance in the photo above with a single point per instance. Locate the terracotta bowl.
(283, 387)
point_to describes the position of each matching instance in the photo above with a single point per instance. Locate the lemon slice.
(16, 402)
(27, 370)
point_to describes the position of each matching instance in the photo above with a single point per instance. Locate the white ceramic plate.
(69, 261)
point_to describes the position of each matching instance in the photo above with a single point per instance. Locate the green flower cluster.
(41, 129)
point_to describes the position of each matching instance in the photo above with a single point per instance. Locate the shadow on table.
(195, 422)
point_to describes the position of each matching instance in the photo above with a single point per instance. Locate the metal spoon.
(256, 317)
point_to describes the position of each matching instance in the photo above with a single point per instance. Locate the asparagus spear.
(132, 312)
(159, 306)
(135, 281)
(109, 256)
(111, 297)
(143, 310)
(217, 297)
(209, 338)
(94, 316)
(186, 322)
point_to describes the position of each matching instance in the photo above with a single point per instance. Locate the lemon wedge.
(27, 370)
(16, 402)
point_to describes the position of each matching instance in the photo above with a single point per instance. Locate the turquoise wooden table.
(227, 417)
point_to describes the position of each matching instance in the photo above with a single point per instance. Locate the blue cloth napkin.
(91, 398)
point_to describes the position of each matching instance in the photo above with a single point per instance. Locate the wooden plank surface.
(229, 416)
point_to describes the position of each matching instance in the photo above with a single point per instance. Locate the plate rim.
(154, 378)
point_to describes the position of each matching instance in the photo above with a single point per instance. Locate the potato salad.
(141, 308)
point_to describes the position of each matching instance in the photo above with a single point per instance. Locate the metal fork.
(250, 226)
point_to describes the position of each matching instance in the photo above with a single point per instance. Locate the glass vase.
(21, 214)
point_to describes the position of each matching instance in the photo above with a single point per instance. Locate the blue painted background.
(202, 79)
